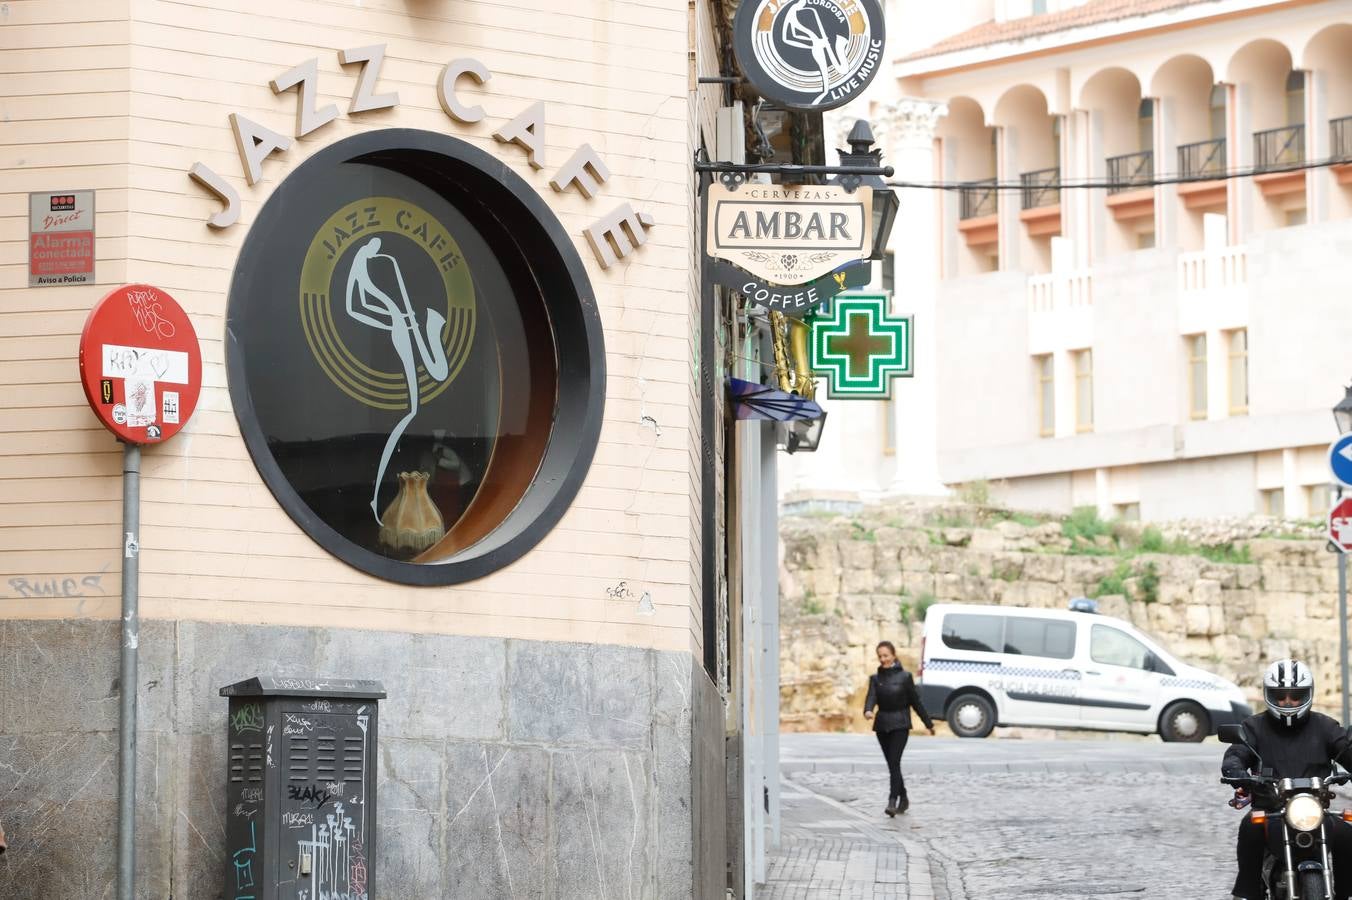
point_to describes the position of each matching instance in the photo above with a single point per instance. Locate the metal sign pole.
(126, 783)
(1342, 629)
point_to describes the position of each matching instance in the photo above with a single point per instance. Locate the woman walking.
(893, 692)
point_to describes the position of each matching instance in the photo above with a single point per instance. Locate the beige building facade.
(1166, 343)
(556, 707)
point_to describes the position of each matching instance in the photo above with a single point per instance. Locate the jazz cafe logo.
(431, 348)
(612, 237)
(809, 54)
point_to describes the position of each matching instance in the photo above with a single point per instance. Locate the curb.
(1174, 766)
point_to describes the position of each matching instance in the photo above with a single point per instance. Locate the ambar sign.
(790, 234)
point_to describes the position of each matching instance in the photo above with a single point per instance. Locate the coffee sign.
(809, 54)
(790, 234)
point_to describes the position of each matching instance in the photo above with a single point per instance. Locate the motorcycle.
(1298, 863)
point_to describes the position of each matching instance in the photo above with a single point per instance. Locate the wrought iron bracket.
(849, 176)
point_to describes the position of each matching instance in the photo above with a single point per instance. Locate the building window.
(1145, 124)
(1272, 503)
(1295, 98)
(427, 463)
(1197, 399)
(1217, 112)
(889, 271)
(1046, 396)
(1239, 372)
(1084, 390)
(1128, 512)
(1039, 7)
(1145, 240)
(889, 418)
(1296, 216)
(1318, 498)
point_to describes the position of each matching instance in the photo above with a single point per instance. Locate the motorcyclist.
(1292, 742)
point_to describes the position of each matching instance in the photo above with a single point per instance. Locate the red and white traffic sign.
(1340, 525)
(140, 364)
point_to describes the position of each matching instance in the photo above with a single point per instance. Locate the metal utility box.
(301, 789)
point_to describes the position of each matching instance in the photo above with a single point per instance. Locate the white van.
(982, 666)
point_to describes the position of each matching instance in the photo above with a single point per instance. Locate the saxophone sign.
(140, 364)
(809, 54)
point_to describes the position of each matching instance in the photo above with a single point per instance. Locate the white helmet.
(1287, 680)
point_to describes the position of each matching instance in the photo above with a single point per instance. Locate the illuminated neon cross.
(860, 349)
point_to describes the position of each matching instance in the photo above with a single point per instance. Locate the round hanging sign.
(140, 364)
(809, 54)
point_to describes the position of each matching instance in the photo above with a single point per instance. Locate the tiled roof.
(1091, 13)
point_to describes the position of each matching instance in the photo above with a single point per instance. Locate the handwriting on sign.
(297, 819)
(244, 812)
(145, 308)
(71, 586)
(243, 859)
(247, 718)
(318, 706)
(621, 591)
(301, 684)
(357, 879)
(130, 361)
(295, 724)
(313, 793)
(251, 795)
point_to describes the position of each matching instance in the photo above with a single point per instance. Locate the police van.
(982, 666)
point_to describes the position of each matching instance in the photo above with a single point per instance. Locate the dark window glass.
(963, 631)
(403, 380)
(889, 271)
(1040, 637)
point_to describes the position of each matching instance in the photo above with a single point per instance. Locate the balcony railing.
(1278, 147)
(1202, 159)
(1130, 170)
(1340, 138)
(1212, 270)
(978, 198)
(1041, 188)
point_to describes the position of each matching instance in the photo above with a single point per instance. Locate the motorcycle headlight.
(1304, 813)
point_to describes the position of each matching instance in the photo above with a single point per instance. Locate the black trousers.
(894, 744)
(1249, 853)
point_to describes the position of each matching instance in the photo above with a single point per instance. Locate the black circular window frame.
(521, 228)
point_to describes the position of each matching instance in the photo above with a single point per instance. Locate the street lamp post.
(864, 156)
(1342, 414)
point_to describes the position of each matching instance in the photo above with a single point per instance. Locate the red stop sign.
(1340, 524)
(140, 364)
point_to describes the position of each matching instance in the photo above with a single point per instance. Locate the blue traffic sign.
(1340, 460)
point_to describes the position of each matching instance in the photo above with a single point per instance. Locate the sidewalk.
(831, 852)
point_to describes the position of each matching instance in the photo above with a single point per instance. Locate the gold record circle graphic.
(810, 54)
(439, 343)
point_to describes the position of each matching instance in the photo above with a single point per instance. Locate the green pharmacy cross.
(860, 348)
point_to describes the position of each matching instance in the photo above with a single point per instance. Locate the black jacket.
(893, 692)
(1305, 750)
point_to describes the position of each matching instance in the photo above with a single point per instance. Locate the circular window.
(415, 357)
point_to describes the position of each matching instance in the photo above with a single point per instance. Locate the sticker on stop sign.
(140, 364)
(1340, 525)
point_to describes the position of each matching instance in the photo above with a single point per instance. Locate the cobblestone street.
(1151, 823)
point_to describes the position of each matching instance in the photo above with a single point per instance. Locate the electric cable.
(1101, 184)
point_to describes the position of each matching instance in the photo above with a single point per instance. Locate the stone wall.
(506, 768)
(848, 582)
